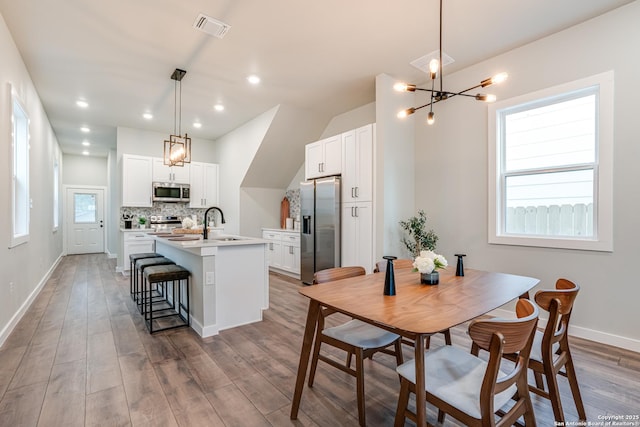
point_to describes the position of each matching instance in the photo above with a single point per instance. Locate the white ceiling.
(321, 56)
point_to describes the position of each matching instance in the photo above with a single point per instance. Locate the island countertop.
(196, 244)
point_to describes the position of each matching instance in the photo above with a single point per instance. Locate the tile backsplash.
(294, 203)
(181, 210)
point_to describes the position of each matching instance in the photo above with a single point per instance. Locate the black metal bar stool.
(172, 311)
(132, 269)
(140, 267)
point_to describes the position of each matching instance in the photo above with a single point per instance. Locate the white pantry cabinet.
(357, 235)
(175, 174)
(204, 185)
(136, 180)
(357, 166)
(323, 158)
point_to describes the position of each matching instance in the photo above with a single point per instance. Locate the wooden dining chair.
(551, 351)
(381, 267)
(354, 337)
(471, 389)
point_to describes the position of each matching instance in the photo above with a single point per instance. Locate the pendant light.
(177, 149)
(440, 94)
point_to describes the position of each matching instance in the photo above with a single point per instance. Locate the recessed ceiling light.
(253, 79)
(86, 143)
(148, 116)
(197, 125)
(85, 152)
(82, 103)
(85, 129)
(218, 107)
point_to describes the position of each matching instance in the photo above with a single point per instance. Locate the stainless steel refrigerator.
(320, 228)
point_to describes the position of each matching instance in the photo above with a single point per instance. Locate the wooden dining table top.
(416, 308)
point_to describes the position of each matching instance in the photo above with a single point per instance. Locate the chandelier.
(177, 149)
(440, 94)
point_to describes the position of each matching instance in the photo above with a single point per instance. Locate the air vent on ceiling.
(211, 26)
(422, 63)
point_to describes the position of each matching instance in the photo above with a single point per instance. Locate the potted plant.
(418, 239)
(142, 221)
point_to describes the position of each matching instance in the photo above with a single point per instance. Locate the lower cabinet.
(357, 235)
(283, 250)
(135, 243)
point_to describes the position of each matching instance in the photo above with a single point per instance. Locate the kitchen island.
(229, 279)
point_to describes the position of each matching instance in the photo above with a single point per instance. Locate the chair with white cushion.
(354, 337)
(550, 352)
(473, 390)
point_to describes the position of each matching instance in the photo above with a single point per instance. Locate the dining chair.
(354, 337)
(551, 350)
(381, 267)
(471, 389)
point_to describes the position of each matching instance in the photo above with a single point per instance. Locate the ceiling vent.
(211, 26)
(422, 63)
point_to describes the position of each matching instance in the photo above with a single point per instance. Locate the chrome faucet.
(206, 223)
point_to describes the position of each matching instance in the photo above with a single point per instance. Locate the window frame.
(602, 240)
(19, 238)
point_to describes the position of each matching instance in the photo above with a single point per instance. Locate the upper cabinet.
(357, 166)
(323, 158)
(204, 185)
(176, 174)
(136, 180)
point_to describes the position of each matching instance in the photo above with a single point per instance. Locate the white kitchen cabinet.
(291, 251)
(357, 166)
(135, 242)
(175, 174)
(136, 180)
(204, 185)
(283, 250)
(357, 235)
(324, 157)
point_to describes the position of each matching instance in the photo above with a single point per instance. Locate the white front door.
(85, 220)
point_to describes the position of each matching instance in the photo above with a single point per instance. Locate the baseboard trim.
(585, 333)
(6, 331)
(203, 331)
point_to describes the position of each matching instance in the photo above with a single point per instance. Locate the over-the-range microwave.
(170, 192)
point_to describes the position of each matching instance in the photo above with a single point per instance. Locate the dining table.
(415, 312)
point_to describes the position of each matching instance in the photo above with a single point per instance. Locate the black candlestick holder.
(389, 278)
(459, 266)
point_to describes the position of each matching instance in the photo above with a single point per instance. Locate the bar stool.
(140, 267)
(173, 307)
(132, 262)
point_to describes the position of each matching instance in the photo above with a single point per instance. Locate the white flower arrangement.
(187, 223)
(428, 261)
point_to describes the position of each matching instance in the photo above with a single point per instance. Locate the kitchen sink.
(225, 238)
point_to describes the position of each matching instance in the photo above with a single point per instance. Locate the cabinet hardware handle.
(319, 167)
(357, 192)
(291, 250)
(270, 246)
(356, 208)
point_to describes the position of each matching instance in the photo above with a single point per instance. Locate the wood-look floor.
(82, 356)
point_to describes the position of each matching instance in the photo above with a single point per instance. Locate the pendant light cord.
(440, 48)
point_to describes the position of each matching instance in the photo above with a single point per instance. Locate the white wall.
(349, 120)
(394, 169)
(234, 153)
(258, 207)
(26, 267)
(451, 172)
(85, 170)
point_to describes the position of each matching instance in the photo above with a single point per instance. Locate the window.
(551, 162)
(84, 206)
(19, 173)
